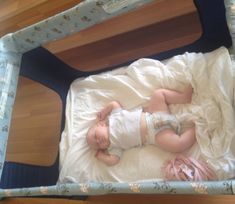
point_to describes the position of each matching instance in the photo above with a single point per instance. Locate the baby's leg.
(171, 142)
(161, 98)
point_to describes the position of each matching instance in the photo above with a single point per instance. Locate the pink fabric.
(183, 168)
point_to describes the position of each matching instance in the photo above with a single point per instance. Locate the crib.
(21, 54)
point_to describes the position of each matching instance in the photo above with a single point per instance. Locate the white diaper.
(156, 122)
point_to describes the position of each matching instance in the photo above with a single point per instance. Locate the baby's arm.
(108, 159)
(108, 109)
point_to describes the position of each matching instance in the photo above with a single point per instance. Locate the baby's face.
(98, 137)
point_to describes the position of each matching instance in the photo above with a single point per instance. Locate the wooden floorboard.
(35, 125)
(136, 44)
(17, 14)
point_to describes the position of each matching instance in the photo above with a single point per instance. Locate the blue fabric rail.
(153, 187)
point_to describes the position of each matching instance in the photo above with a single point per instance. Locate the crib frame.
(12, 48)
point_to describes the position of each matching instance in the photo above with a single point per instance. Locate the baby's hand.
(101, 115)
(107, 158)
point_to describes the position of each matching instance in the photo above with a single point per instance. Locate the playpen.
(21, 54)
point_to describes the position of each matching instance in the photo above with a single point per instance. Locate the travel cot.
(21, 54)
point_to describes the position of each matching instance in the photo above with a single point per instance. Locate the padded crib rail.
(88, 13)
(153, 187)
(84, 15)
(230, 14)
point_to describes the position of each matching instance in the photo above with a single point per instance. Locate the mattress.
(211, 76)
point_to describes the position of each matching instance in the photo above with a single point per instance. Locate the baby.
(118, 129)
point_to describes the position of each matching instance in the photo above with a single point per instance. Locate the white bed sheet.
(211, 76)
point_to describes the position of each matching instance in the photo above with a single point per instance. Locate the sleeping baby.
(118, 129)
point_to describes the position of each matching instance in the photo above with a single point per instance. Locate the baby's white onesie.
(124, 130)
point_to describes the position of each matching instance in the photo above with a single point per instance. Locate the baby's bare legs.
(170, 141)
(161, 98)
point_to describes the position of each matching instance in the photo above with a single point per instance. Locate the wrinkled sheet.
(211, 76)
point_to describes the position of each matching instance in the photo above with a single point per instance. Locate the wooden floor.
(16, 14)
(35, 125)
(38, 110)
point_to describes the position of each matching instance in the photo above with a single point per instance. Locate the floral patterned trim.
(84, 15)
(233, 186)
(9, 71)
(155, 187)
(230, 14)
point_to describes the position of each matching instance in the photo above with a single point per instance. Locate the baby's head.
(97, 136)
